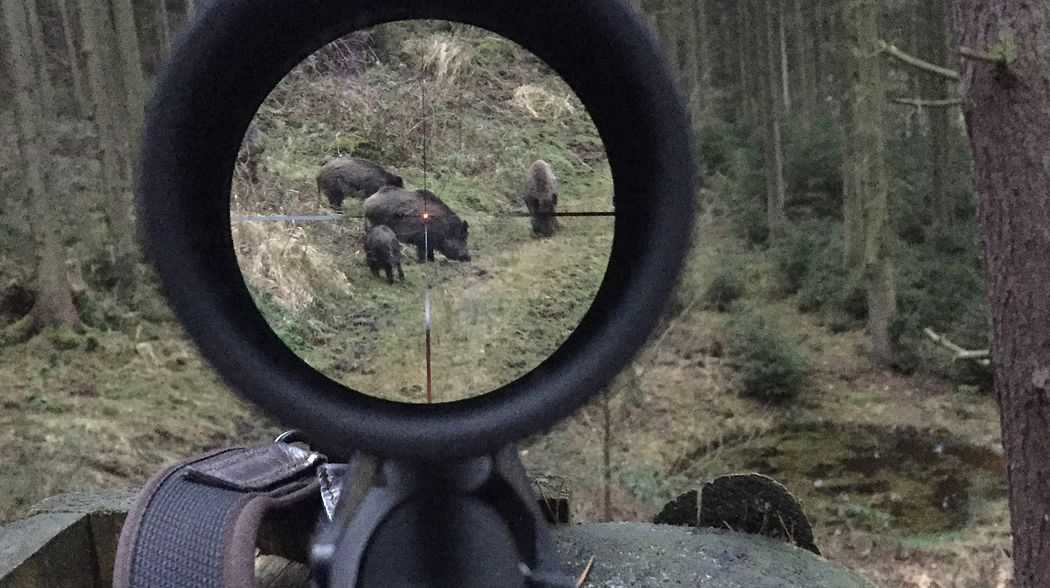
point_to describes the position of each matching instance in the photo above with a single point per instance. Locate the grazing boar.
(383, 252)
(353, 177)
(541, 198)
(408, 213)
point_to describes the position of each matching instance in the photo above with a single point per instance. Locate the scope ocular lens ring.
(219, 73)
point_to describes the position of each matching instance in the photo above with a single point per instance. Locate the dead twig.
(914, 62)
(927, 103)
(583, 574)
(981, 356)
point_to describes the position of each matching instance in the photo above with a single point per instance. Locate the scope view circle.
(217, 78)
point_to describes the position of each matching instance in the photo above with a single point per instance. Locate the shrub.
(740, 191)
(716, 143)
(810, 263)
(971, 331)
(943, 290)
(772, 367)
(751, 222)
(725, 288)
(799, 251)
(813, 165)
(936, 288)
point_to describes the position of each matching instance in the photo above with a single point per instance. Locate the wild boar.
(420, 218)
(353, 177)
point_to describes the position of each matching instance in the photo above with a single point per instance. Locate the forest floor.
(902, 476)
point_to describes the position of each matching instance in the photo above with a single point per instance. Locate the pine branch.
(916, 63)
(1003, 53)
(927, 103)
(967, 53)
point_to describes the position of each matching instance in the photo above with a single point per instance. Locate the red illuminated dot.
(426, 216)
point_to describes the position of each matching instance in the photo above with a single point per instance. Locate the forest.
(862, 317)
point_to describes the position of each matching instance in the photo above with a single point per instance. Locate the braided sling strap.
(197, 524)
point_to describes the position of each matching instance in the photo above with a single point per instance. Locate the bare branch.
(927, 103)
(967, 53)
(916, 63)
(981, 356)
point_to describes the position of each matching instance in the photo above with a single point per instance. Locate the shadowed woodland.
(863, 316)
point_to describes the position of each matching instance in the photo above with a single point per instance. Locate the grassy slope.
(78, 419)
(494, 318)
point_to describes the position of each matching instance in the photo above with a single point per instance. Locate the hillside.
(483, 111)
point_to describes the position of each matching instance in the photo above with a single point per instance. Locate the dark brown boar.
(420, 218)
(353, 177)
(383, 252)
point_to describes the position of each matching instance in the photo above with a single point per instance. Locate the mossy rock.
(757, 504)
(636, 554)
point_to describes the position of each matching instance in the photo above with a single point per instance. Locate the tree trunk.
(1008, 117)
(936, 49)
(109, 52)
(695, 60)
(852, 199)
(773, 107)
(803, 35)
(127, 40)
(46, 95)
(820, 41)
(785, 75)
(54, 302)
(163, 29)
(75, 74)
(867, 152)
(106, 114)
(751, 59)
(741, 54)
(705, 60)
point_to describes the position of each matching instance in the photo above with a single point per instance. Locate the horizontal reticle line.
(580, 213)
(273, 218)
(317, 218)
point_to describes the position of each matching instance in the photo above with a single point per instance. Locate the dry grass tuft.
(442, 57)
(283, 262)
(539, 102)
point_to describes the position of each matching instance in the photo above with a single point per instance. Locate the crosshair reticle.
(496, 192)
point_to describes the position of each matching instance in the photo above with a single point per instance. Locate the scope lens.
(422, 211)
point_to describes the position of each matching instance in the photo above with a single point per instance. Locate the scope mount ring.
(222, 69)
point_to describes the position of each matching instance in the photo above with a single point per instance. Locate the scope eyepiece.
(216, 79)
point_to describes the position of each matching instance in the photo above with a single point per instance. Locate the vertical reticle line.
(426, 312)
(428, 382)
